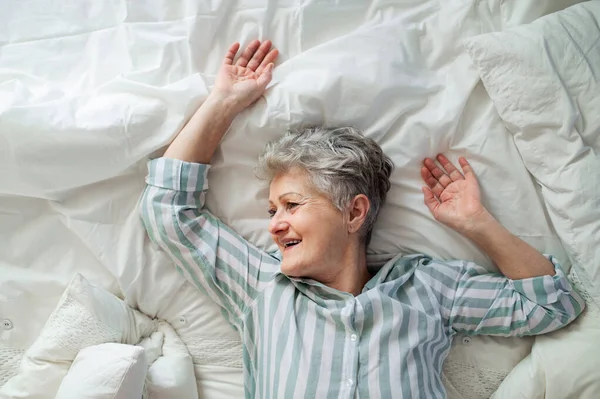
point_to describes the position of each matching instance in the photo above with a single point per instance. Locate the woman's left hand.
(453, 197)
(241, 82)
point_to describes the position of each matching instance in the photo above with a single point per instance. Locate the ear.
(357, 212)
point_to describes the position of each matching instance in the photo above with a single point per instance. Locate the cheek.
(331, 229)
(320, 227)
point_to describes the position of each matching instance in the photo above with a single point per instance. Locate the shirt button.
(466, 340)
(7, 324)
(353, 337)
(350, 382)
(182, 320)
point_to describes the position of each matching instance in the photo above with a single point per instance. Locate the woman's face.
(309, 230)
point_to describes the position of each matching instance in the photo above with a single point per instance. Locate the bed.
(89, 91)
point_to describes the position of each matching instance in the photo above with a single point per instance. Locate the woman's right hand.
(241, 82)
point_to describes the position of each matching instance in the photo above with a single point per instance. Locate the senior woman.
(314, 322)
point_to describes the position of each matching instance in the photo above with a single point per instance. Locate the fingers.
(430, 200)
(255, 57)
(431, 181)
(450, 168)
(248, 53)
(259, 55)
(266, 76)
(438, 173)
(270, 58)
(228, 60)
(466, 167)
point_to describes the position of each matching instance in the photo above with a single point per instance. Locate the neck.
(352, 274)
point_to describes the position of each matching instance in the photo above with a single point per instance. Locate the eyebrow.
(286, 194)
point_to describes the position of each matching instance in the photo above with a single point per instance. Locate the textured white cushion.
(85, 316)
(562, 365)
(106, 371)
(172, 374)
(544, 81)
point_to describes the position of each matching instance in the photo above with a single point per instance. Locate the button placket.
(351, 348)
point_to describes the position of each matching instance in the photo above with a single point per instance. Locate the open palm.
(453, 198)
(245, 80)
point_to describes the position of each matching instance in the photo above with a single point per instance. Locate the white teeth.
(287, 244)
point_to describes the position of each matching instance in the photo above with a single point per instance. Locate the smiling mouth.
(291, 244)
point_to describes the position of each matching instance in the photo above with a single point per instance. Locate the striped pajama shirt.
(302, 339)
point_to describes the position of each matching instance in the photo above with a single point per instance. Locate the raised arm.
(531, 296)
(237, 86)
(208, 253)
(454, 199)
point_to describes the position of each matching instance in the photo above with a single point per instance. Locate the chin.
(291, 270)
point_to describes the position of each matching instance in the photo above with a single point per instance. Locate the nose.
(277, 225)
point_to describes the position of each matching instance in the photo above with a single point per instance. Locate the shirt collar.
(382, 275)
(323, 292)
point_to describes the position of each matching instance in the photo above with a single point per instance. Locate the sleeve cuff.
(545, 290)
(174, 174)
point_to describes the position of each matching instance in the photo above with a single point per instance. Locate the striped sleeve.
(475, 301)
(208, 253)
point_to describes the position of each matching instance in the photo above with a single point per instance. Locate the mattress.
(90, 90)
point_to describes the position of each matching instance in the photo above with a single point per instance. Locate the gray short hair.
(341, 163)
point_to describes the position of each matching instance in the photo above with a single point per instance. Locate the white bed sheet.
(89, 89)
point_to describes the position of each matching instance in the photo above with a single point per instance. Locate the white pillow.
(172, 374)
(106, 371)
(544, 81)
(85, 316)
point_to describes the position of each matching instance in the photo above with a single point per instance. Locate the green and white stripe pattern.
(302, 339)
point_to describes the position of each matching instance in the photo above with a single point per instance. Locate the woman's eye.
(272, 212)
(291, 205)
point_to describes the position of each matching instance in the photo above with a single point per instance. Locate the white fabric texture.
(543, 78)
(106, 371)
(88, 91)
(544, 374)
(9, 363)
(172, 374)
(544, 81)
(85, 316)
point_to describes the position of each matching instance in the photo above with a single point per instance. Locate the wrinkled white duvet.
(89, 90)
